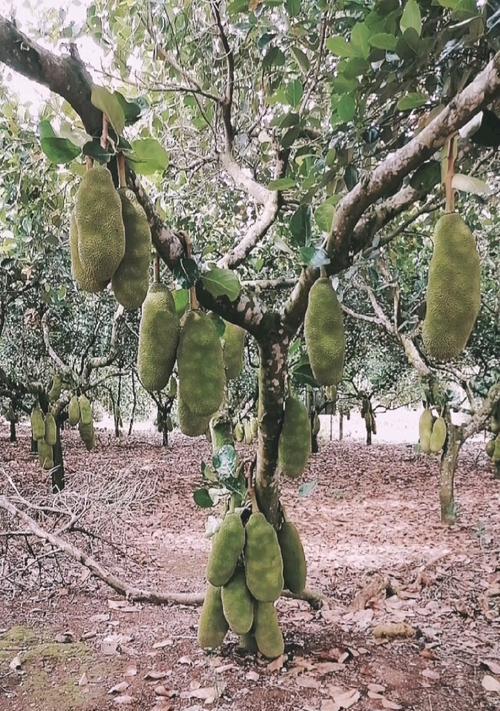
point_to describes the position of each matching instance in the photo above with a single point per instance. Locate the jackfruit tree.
(315, 140)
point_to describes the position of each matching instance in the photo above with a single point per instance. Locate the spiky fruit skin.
(453, 289)
(496, 451)
(130, 281)
(87, 434)
(82, 276)
(192, 425)
(263, 561)
(324, 333)
(56, 387)
(425, 430)
(45, 454)
(267, 631)
(237, 603)
(233, 350)
(85, 410)
(73, 411)
(158, 338)
(294, 559)
(101, 233)
(438, 435)
(227, 547)
(213, 626)
(295, 439)
(200, 364)
(37, 424)
(50, 429)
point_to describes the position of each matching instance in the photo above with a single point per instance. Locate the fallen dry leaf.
(493, 666)
(118, 688)
(277, 663)
(123, 606)
(83, 680)
(155, 675)
(391, 630)
(124, 700)
(387, 704)
(308, 682)
(163, 643)
(490, 683)
(252, 676)
(161, 690)
(130, 670)
(16, 663)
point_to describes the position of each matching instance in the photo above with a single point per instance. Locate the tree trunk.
(448, 467)
(134, 405)
(13, 437)
(341, 425)
(368, 435)
(164, 431)
(57, 473)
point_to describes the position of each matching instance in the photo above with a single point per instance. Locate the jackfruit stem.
(89, 163)
(122, 179)
(104, 132)
(322, 273)
(193, 299)
(156, 268)
(450, 172)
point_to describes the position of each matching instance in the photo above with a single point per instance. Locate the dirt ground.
(68, 642)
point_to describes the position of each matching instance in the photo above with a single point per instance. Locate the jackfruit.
(254, 424)
(213, 626)
(490, 447)
(294, 560)
(267, 631)
(172, 387)
(101, 233)
(200, 364)
(85, 410)
(295, 439)
(496, 451)
(239, 432)
(131, 280)
(87, 434)
(425, 430)
(158, 338)
(438, 435)
(227, 547)
(248, 434)
(324, 333)
(73, 411)
(55, 389)
(45, 454)
(237, 603)
(316, 426)
(50, 429)
(82, 276)
(453, 289)
(37, 423)
(263, 561)
(233, 350)
(191, 425)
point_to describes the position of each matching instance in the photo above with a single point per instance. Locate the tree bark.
(12, 434)
(447, 470)
(341, 424)
(57, 473)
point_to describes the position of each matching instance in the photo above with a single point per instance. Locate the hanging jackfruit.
(425, 430)
(172, 387)
(295, 439)
(248, 434)
(191, 425)
(324, 333)
(131, 280)
(254, 423)
(87, 434)
(490, 447)
(200, 364)
(50, 429)
(294, 560)
(496, 451)
(227, 547)
(453, 289)
(438, 435)
(158, 338)
(55, 389)
(263, 561)
(247, 643)
(267, 631)
(37, 423)
(83, 277)
(212, 626)
(233, 350)
(45, 454)
(85, 410)
(239, 432)
(73, 411)
(237, 603)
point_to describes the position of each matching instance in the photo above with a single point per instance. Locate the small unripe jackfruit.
(87, 434)
(263, 561)
(438, 435)
(248, 433)
(82, 276)
(496, 451)
(453, 289)
(239, 432)
(131, 280)
(294, 560)
(237, 603)
(490, 447)
(50, 429)
(425, 430)
(324, 333)
(45, 454)
(55, 389)
(191, 425)
(233, 350)
(267, 631)
(295, 439)
(85, 410)
(73, 411)
(227, 547)
(158, 338)
(37, 423)
(212, 626)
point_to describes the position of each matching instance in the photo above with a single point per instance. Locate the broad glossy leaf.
(221, 282)
(110, 105)
(149, 156)
(412, 100)
(338, 45)
(411, 17)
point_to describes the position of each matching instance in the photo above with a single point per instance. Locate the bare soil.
(374, 512)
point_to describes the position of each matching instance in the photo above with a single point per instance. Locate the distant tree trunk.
(134, 405)
(164, 432)
(368, 434)
(13, 437)
(34, 447)
(448, 467)
(57, 473)
(314, 435)
(341, 424)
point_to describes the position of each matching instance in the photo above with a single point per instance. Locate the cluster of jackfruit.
(246, 431)
(44, 432)
(432, 432)
(86, 422)
(294, 447)
(324, 333)
(158, 338)
(453, 289)
(247, 570)
(110, 239)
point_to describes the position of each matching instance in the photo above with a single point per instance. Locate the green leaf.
(131, 109)
(307, 488)
(149, 156)
(355, 67)
(301, 59)
(468, 184)
(237, 6)
(94, 149)
(340, 47)
(360, 39)
(314, 257)
(383, 40)
(426, 176)
(293, 7)
(225, 461)
(110, 105)
(58, 150)
(186, 272)
(411, 101)
(274, 57)
(300, 225)
(411, 17)
(221, 282)
(281, 184)
(181, 300)
(294, 92)
(324, 215)
(203, 499)
(346, 108)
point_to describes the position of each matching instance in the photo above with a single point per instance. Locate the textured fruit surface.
(324, 333)
(233, 350)
(85, 279)
(131, 280)
(212, 626)
(490, 447)
(158, 338)
(73, 411)
(191, 425)
(263, 562)
(87, 434)
(438, 435)
(200, 364)
(295, 439)
(55, 389)
(85, 410)
(267, 630)
(496, 451)
(45, 454)
(425, 430)
(50, 429)
(239, 432)
(248, 433)
(101, 233)
(37, 423)
(227, 547)
(453, 289)
(294, 559)
(237, 603)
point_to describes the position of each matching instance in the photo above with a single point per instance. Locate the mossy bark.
(448, 467)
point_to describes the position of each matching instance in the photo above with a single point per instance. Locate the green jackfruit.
(50, 429)
(496, 451)
(316, 426)
(212, 627)
(239, 432)
(267, 631)
(200, 364)
(233, 350)
(192, 425)
(248, 434)
(438, 435)
(247, 643)
(101, 233)
(73, 411)
(324, 333)
(227, 547)
(254, 423)
(85, 410)
(237, 603)
(490, 447)
(45, 454)
(295, 439)
(294, 560)
(158, 338)
(172, 387)
(82, 276)
(87, 434)
(37, 423)
(55, 389)
(131, 280)
(263, 561)
(453, 289)
(425, 430)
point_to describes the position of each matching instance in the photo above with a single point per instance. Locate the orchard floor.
(375, 510)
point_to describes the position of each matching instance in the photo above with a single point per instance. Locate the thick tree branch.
(483, 412)
(105, 360)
